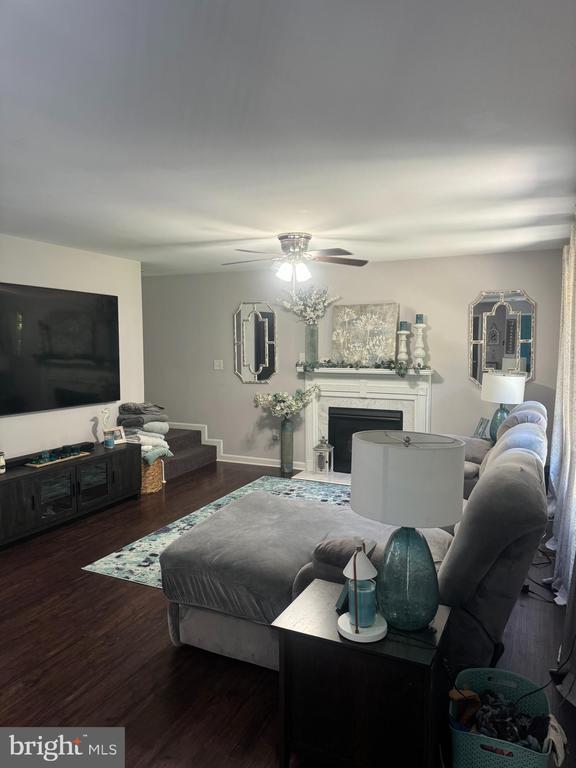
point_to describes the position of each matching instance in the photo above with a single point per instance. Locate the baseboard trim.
(232, 458)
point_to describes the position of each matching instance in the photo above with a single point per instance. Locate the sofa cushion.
(531, 405)
(471, 470)
(243, 560)
(525, 416)
(331, 556)
(528, 436)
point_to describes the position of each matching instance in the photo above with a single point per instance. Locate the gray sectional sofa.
(478, 450)
(229, 578)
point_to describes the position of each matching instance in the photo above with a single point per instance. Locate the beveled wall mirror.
(255, 353)
(501, 333)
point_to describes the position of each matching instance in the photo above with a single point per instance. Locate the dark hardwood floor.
(79, 648)
(532, 639)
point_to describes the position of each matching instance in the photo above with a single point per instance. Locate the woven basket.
(151, 477)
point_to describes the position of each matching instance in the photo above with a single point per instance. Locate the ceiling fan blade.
(267, 253)
(330, 252)
(247, 261)
(342, 262)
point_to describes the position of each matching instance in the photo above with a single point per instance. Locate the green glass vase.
(500, 415)
(407, 586)
(286, 447)
(311, 343)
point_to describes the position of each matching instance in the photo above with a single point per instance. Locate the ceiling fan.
(295, 254)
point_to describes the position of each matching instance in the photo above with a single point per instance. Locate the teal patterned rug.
(139, 561)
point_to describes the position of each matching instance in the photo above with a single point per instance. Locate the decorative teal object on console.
(407, 585)
(411, 479)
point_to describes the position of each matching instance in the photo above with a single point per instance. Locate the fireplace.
(344, 422)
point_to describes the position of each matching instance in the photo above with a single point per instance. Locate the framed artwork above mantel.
(364, 333)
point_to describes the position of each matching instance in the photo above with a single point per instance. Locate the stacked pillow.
(138, 414)
(145, 424)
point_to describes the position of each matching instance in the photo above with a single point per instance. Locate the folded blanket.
(145, 433)
(130, 421)
(156, 453)
(160, 427)
(140, 409)
(125, 420)
(150, 440)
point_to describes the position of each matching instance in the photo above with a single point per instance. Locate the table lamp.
(502, 388)
(410, 479)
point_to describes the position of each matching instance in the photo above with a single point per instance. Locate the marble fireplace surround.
(366, 388)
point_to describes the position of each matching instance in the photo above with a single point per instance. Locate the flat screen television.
(58, 349)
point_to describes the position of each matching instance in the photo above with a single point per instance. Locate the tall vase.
(286, 447)
(311, 343)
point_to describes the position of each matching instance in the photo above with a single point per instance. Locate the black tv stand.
(35, 499)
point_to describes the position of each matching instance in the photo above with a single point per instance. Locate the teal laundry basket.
(474, 750)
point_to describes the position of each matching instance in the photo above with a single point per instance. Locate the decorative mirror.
(255, 358)
(501, 333)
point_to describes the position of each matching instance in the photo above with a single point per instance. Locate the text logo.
(82, 747)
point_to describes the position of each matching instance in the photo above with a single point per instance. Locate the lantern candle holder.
(361, 624)
(323, 457)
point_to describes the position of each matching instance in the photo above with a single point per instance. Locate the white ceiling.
(173, 131)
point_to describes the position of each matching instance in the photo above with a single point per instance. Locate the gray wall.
(29, 262)
(188, 324)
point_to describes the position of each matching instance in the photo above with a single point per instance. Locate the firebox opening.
(343, 422)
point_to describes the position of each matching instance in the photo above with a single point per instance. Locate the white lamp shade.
(364, 568)
(503, 388)
(409, 479)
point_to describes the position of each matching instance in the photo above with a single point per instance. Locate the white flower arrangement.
(283, 405)
(309, 304)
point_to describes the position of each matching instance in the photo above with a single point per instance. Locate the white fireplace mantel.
(366, 388)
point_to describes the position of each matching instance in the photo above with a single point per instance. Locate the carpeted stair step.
(187, 459)
(180, 439)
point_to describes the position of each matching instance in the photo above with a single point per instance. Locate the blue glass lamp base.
(500, 415)
(407, 587)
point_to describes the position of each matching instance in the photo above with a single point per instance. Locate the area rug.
(139, 561)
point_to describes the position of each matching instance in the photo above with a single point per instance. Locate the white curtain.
(563, 447)
(568, 650)
(563, 468)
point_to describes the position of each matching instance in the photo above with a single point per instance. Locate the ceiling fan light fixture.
(284, 272)
(302, 272)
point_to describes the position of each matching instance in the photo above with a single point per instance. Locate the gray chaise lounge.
(230, 577)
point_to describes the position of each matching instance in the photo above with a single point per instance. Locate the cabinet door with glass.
(93, 484)
(53, 496)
